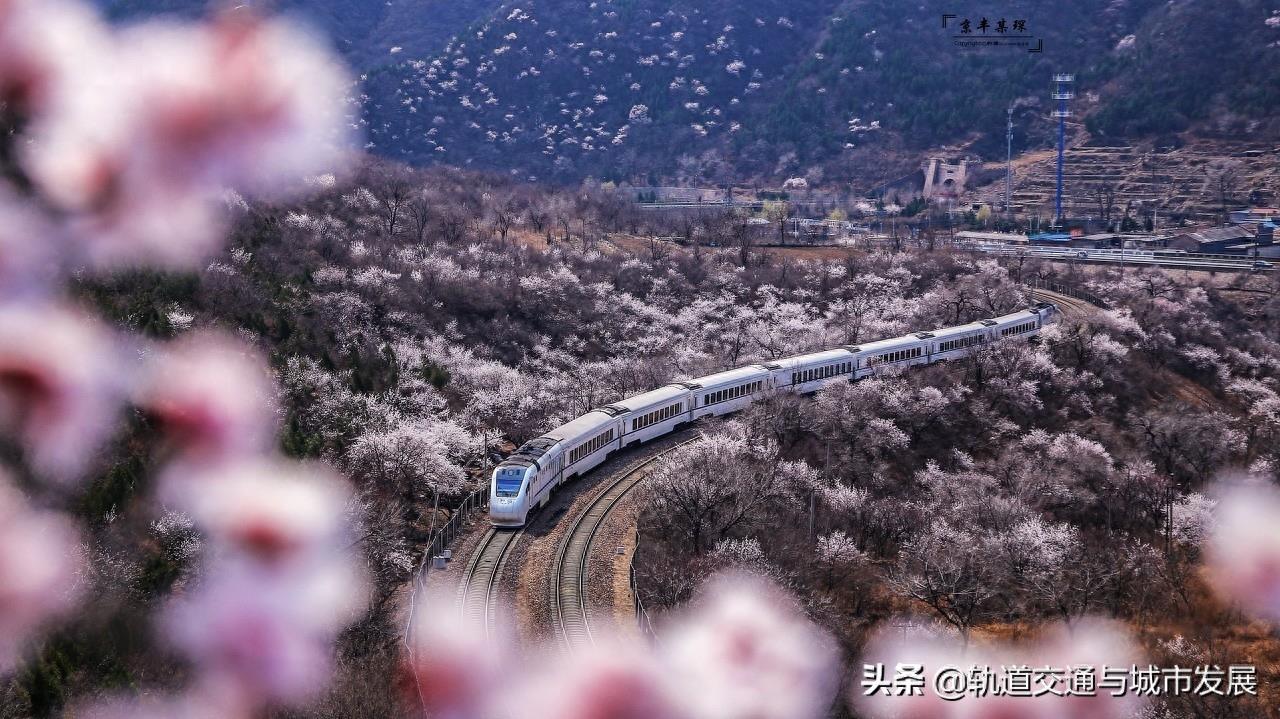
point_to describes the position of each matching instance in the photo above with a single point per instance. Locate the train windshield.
(509, 481)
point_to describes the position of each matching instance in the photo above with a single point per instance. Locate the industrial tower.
(1062, 93)
(1008, 167)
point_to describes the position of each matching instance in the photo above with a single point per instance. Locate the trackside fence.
(440, 539)
(642, 615)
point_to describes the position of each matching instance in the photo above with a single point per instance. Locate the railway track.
(1069, 305)
(570, 616)
(478, 591)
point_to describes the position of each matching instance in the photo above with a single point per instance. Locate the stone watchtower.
(944, 179)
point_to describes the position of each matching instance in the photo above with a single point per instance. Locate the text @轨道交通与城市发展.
(957, 682)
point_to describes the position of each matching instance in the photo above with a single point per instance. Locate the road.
(1131, 258)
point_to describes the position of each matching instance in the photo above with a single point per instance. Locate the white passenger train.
(526, 479)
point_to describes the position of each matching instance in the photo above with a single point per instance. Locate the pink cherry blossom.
(45, 46)
(453, 663)
(614, 678)
(1094, 643)
(269, 509)
(60, 385)
(39, 565)
(172, 114)
(30, 250)
(206, 701)
(906, 644)
(213, 397)
(746, 651)
(1242, 549)
(244, 633)
(264, 635)
(244, 101)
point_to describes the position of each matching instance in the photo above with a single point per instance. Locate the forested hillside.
(369, 33)
(648, 90)
(640, 89)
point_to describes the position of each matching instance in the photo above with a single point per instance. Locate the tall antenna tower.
(1062, 93)
(1008, 166)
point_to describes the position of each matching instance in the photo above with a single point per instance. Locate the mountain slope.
(567, 88)
(365, 31)
(844, 91)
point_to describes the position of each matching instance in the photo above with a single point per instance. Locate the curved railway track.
(1069, 305)
(478, 590)
(570, 615)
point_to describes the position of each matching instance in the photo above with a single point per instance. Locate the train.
(526, 479)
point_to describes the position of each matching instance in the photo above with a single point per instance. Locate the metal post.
(435, 506)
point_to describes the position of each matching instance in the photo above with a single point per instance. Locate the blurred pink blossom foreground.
(133, 141)
(1242, 546)
(743, 651)
(39, 561)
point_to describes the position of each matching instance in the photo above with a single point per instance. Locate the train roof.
(786, 363)
(720, 379)
(578, 427)
(958, 330)
(648, 399)
(1016, 316)
(892, 343)
(529, 452)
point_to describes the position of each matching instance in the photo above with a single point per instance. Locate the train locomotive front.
(521, 481)
(509, 493)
